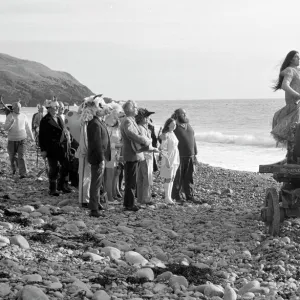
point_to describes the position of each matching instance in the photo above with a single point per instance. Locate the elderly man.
(54, 143)
(187, 151)
(98, 150)
(132, 142)
(18, 128)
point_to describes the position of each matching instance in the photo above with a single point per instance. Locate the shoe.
(84, 205)
(131, 208)
(54, 193)
(64, 189)
(180, 201)
(169, 201)
(194, 200)
(95, 213)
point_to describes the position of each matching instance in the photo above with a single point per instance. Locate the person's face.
(295, 60)
(61, 109)
(172, 126)
(53, 110)
(182, 118)
(133, 109)
(41, 110)
(16, 109)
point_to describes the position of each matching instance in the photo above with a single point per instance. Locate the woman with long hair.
(170, 157)
(289, 81)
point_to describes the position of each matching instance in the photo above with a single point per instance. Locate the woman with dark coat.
(54, 141)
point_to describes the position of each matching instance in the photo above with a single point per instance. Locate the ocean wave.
(246, 139)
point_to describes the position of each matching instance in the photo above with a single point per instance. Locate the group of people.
(115, 144)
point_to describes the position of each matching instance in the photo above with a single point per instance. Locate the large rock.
(4, 290)
(146, 273)
(249, 286)
(20, 241)
(135, 258)
(101, 295)
(30, 292)
(112, 252)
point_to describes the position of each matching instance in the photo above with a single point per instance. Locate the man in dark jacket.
(187, 151)
(98, 151)
(54, 144)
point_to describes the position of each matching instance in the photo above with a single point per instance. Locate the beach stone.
(20, 241)
(248, 296)
(145, 273)
(79, 285)
(92, 256)
(67, 209)
(125, 229)
(4, 289)
(37, 221)
(112, 252)
(45, 210)
(176, 281)
(63, 203)
(159, 287)
(4, 239)
(33, 277)
(248, 286)
(133, 258)
(7, 225)
(101, 295)
(213, 290)
(164, 276)
(26, 208)
(71, 227)
(229, 293)
(30, 292)
(55, 285)
(123, 246)
(80, 224)
(35, 214)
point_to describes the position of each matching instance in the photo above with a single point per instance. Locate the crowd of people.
(115, 148)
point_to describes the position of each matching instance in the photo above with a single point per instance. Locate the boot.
(52, 188)
(168, 190)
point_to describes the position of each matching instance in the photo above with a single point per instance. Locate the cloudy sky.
(157, 49)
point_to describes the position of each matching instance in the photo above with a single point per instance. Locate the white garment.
(170, 159)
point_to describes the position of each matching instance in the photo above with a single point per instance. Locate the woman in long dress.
(170, 157)
(289, 81)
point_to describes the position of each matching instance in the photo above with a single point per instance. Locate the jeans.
(184, 179)
(130, 169)
(97, 173)
(14, 148)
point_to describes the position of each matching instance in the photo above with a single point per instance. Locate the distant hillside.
(32, 83)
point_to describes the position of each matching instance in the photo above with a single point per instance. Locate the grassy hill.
(32, 83)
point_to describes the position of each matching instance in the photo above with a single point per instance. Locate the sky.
(157, 49)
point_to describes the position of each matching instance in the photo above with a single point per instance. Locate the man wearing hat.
(18, 128)
(54, 144)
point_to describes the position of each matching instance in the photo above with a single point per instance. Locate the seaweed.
(193, 274)
(4, 275)
(43, 237)
(22, 221)
(49, 226)
(10, 213)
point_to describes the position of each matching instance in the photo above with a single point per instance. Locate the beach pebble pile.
(218, 249)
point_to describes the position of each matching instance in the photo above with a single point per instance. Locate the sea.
(232, 134)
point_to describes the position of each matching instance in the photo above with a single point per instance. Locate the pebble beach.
(51, 249)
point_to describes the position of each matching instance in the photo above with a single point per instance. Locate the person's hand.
(44, 154)
(102, 167)
(195, 160)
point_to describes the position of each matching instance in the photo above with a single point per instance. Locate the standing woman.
(289, 81)
(170, 157)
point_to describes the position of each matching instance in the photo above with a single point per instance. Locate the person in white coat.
(170, 157)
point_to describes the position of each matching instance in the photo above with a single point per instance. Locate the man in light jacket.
(18, 128)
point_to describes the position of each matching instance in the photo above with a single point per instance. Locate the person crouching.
(55, 144)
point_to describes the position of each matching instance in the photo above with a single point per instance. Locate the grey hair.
(127, 104)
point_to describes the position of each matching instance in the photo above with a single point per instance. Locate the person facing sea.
(289, 81)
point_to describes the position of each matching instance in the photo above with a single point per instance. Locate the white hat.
(96, 100)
